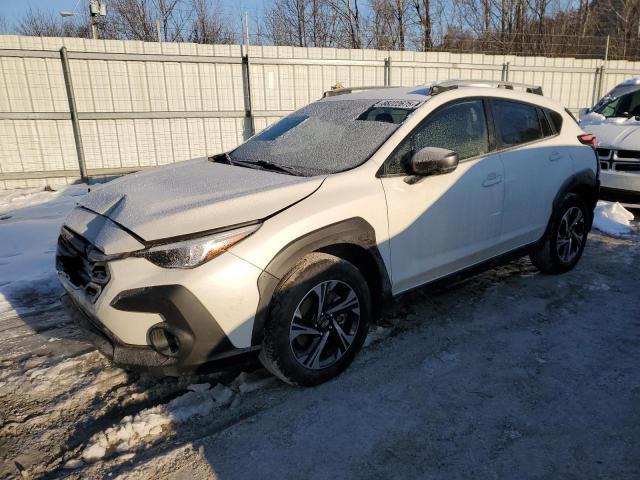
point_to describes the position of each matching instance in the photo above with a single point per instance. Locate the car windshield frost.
(325, 137)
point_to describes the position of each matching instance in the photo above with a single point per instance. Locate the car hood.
(622, 135)
(195, 196)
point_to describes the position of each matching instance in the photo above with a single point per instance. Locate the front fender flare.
(353, 231)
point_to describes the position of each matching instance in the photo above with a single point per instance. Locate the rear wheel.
(318, 320)
(563, 244)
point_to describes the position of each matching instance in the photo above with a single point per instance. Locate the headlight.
(191, 253)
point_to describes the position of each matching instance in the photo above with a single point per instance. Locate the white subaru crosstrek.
(287, 247)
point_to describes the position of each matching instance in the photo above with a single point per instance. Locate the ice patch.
(612, 219)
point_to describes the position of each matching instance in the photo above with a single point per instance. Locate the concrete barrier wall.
(143, 104)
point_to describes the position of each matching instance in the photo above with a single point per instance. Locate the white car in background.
(615, 121)
(288, 246)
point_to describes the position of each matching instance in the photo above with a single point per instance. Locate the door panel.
(535, 166)
(443, 223)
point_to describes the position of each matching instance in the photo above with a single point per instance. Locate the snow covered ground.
(510, 373)
(30, 220)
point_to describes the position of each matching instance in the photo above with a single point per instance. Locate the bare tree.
(137, 19)
(286, 22)
(422, 10)
(349, 23)
(380, 25)
(389, 18)
(304, 23)
(39, 23)
(208, 24)
(4, 26)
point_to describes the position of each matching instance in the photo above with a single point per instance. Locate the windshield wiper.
(262, 165)
(259, 164)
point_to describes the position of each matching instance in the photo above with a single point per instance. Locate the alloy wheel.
(324, 324)
(570, 234)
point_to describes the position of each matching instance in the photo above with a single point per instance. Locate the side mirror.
(433, 161)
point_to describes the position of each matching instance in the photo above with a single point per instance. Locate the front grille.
(72, 260)
(603, 152)
(628, 167)
(628, 154)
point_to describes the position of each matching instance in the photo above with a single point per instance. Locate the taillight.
(588, 139)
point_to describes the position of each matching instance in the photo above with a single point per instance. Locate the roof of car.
(422, 93)
(419, 93)
(631, 81)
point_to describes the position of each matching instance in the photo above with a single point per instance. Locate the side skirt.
(456, 277)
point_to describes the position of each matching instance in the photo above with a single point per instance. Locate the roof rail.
(440, 87)
(345, 90)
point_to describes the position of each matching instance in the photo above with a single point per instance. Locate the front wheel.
(564, 242)
(318, 320)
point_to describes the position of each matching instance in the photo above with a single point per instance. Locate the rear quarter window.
(556, 119)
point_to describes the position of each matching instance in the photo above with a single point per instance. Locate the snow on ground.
(135, 432)
(30, 220)
(613, 219)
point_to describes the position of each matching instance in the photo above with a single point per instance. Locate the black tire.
(547, 256)
(281, 346)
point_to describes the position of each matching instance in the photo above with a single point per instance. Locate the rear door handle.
(492, 179)
(555, 156)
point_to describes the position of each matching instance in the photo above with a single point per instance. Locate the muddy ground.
(510, 374)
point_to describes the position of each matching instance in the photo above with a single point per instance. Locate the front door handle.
(492, 179)
(555, 156)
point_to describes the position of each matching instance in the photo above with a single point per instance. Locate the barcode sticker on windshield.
(407, 104)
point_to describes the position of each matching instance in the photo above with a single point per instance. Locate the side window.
(460, 127)
(544, 123)
(556, 119)
(633, 106)
(516, 122)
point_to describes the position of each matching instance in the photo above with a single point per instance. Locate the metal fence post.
(73, 110)
(600, 82)
(246, 80)
(594, 92)
(602, 67)
(505, 72)
(387, 71)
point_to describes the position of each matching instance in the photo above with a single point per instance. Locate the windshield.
(326, 136)
(611, 98)
(627, 105)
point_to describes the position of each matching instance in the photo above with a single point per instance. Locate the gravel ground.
(510, 374)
